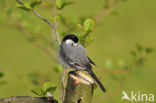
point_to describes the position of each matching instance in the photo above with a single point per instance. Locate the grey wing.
(77, 58)
(62, 55)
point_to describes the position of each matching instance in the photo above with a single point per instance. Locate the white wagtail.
(73, 55)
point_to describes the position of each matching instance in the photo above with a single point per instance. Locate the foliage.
(88, 25)
(38, 78)
(56, 18)
(87, 28)
(47, 87)
(30, 5)
(58, 69)
(83, 27)
(1, 76)
(62, 3)
(138, 59)
(35, 3)
(141, 53)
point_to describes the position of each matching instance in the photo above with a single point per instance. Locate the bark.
(79, 88)
(27, 99)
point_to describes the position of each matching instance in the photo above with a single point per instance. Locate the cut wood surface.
(79, 88)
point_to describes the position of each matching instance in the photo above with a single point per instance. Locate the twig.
(53, 44)
(107, 11)
(126, 71)
(52, 25)
(45, 20)
(63, 83)
(29, 37)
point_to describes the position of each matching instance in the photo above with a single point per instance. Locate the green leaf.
(1, 74)
(29, 6)
(106, 4)
(81, 39)
(58, 68)
(59, 4)
(88, 25)
(35, 3)
(26, 6)
(49, 87)
(89, 40)
(139, 47)
(80, 26)
(57, 18)
(62, 3)
(38, 91)
(34, 77)
(149, 50)
(108, 63)
(141, 61)
(8, 10)
(121, 63)
(67, 3)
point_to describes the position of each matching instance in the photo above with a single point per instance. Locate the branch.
(126, 71)
(37, 44)
(28, 99)
(107, 11)
(45, 20)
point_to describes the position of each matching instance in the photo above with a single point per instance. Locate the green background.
(115, 37)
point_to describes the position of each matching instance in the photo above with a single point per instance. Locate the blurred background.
(123, 44)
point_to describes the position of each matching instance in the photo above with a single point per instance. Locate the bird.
(73, 55)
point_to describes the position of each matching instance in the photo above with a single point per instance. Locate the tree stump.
(79, 88)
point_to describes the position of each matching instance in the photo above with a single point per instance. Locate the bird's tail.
(97, 80)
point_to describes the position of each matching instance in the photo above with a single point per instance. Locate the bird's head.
(70, 39)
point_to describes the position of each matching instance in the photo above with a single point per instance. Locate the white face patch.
(70, 42)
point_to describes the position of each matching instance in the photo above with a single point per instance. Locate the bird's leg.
(63, 83)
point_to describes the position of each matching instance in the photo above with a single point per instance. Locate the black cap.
(72, 37)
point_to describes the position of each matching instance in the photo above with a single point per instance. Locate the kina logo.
(137, 96)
